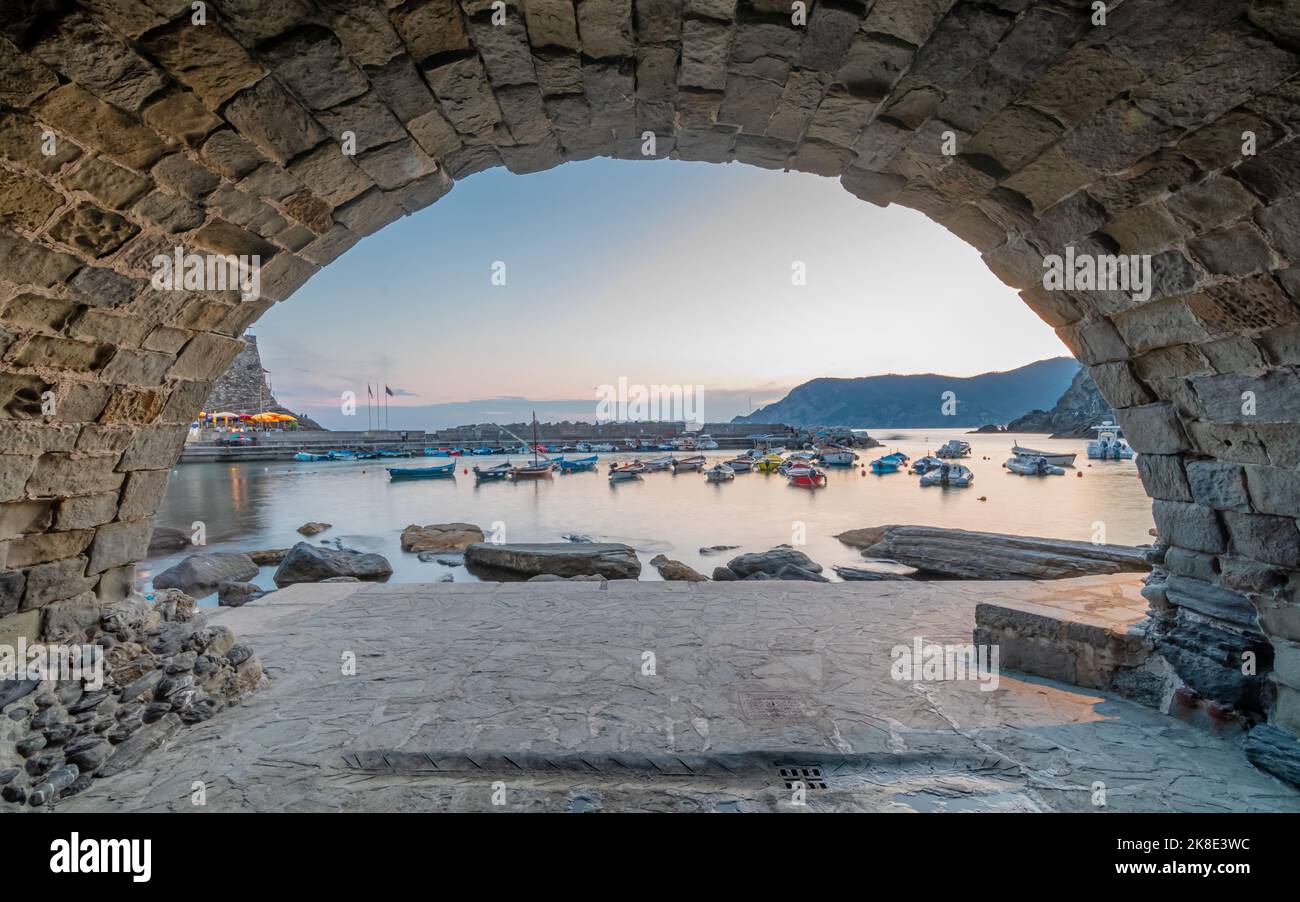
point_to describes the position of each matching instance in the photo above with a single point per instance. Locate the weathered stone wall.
(128, 129)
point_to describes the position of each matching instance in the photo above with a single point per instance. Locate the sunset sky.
(661, 272)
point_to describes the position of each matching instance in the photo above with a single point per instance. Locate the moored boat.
(493, 474)
(806, 477)
(947, 474)
(688, 464)
(836, 456)
(953, 448)
(1033, 466)
(659, 464)
(1056, 459)
(719, 473)
(342, 455)
(578, 463)
(396, 474)
(308, 456)
(923, 465)
(627, 471)
(741, 464)
(890, 463)
(1108, 445)
(769, 463)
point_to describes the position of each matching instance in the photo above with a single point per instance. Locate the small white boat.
(689, 464)
(625, 472)
(950, 475)
(926, 464)
(706, 443)
(658, 465)
(835, 456)
(1053, 458)
(603, 447)
(953, 448)
(719, 473)
(1033, 466)
(741, 464)
(1108, 445)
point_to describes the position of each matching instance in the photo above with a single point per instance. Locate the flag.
(369, 393)
(388, 391)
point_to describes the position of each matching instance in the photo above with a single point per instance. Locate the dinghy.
(342, 455)
(806, 477)
(689, 464)
(397, 474)
(769, 462)
(890, 463)
(659, 464)
(1108, 445)
(625, 472)
(926, 464)
(1055, 459)
(539, 468)
(836, 456)
(1033, 466)
(741, 464)
(953, 448)
(949, 475)
(493, 474)
(578, 463)
(719, 473)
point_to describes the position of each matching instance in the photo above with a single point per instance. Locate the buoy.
(1080, 475)
(984, 498)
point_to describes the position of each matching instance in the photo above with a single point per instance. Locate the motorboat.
(603, 447)
(481, 451)
(794, 464)
(836, 456)
(806, 477)
(1108, 445)
(741, 464)
(719, 473)
(1054, 458)
(445, 471)
(577, 464)
(659, 464)
(626, 472)
(307, 456)
(1033, 466)
(924, 465)
(769, 463)
(689, 464)
(953, 448)
(493, 474)
(890, 463)
(950, 475)
(706, 443)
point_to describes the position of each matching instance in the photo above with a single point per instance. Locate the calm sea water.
(254, 506)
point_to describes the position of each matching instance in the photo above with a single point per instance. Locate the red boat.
(807, 477)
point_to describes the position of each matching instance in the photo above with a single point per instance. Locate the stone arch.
(128, 128)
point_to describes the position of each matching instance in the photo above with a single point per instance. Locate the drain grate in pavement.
(809, 777)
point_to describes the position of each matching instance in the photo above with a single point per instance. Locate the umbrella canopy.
(273, 417)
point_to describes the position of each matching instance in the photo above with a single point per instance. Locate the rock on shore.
(524, 560)
(200, 574)
(672, 570)
(772, 562)
(306, 563)
(440, 537)
(962, 554)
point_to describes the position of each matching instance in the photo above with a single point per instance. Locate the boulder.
(524, 560)
(675, 570)
(267, 557)
(307, 563)
(717, 549)
(771, 562)
(315, 526)
(200, 574)
(168, 538)
(724, 574)
(857, 574)
(233, 594)
(790, 571)
(440, 537)
(962, 554)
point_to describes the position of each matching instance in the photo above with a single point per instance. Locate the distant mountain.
(1075, 413)
(875, 402)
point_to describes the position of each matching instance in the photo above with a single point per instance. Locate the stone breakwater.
(164, 668)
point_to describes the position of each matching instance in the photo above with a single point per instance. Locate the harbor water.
(255, 506)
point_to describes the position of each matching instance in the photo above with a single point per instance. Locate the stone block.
(1164, 477)
(1219, 485)
(271, 118)
(1261, 537)
(118, 544)
(55, 580)
(1189, 526)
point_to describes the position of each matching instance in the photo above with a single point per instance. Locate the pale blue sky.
(662, 272)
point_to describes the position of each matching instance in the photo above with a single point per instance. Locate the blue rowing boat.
(396, 474)
(305, 456)
(578, 463)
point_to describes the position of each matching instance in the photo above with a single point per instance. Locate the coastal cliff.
(1077, 410)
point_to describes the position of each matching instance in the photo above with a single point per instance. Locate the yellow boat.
(768, 463)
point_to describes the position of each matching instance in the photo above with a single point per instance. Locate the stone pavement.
(542, 695)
